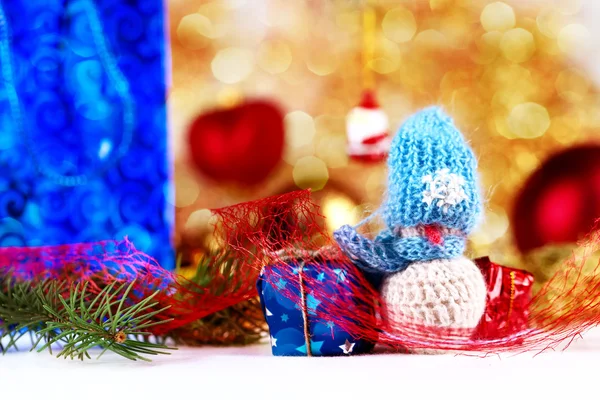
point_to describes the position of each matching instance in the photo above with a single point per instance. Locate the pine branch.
(20, 311)
(78, 320)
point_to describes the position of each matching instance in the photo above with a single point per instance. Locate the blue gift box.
(83, 124)
(322, 337)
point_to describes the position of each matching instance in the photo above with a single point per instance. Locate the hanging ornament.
(240, 145)
(367, 125)
(560, 202)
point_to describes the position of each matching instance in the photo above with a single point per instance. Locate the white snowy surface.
(253, 373)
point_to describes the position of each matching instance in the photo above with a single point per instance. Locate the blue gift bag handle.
(115, 75)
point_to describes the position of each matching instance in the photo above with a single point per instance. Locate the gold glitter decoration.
(529, 120)
(506, 72)
(498, 17)
(517, 45)
(399, 25)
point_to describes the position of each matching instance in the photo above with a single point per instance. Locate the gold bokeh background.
(504, 71)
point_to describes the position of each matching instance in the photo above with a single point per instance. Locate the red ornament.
(240, 145)
(561, 201)
(508, 300)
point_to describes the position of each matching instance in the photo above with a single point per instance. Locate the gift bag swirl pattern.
(83, 149)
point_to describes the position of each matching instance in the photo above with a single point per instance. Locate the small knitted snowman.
(433, 202)
(367, 128)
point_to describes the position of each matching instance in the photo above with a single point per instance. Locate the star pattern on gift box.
(315, 348)
(312, 303)
(288, 318)
(281, 284)
(347, 347)
(444, 189)
(331, 326)
(341, 275)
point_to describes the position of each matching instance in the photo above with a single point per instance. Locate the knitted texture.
(429, 156)
(439, 293)
(390, 253)
(432, 185)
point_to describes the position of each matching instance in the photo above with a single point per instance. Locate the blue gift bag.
(83, 127)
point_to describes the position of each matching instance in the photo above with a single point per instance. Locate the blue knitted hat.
(432, 176)
(433, 200)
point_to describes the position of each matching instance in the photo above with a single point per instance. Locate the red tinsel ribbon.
(102, 263)
(544, 328)
(256, 233)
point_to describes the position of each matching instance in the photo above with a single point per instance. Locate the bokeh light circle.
(574, 39)
(528, 120)
(399, 25)
(274, 57)
(310, 172)
(194, 31)
(517, 45)
(233, 65)
(498, 16)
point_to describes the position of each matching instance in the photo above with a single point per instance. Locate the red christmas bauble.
(240, 145)
(560, 202)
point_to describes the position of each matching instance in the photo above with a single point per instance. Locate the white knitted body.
(440, 293)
